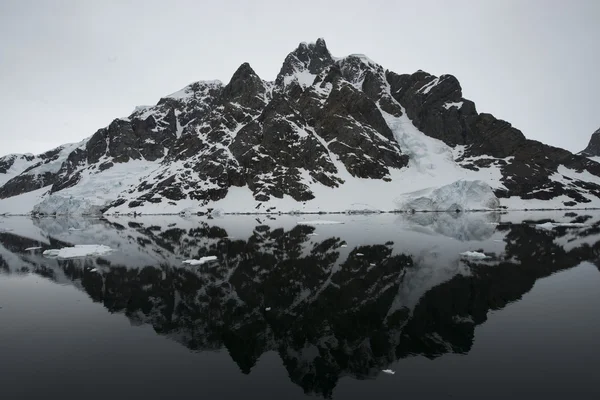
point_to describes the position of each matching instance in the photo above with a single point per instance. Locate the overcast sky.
(68, 68)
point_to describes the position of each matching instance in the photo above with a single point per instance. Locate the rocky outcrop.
(593, 147)
(28, 172)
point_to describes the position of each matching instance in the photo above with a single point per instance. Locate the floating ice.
(80, 250)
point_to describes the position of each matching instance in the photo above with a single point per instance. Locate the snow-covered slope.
(328, 135)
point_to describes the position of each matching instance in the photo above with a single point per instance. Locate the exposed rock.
(593, 147)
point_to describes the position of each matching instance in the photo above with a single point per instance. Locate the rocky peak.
(304, 64)
(593, 147)
(245, 88)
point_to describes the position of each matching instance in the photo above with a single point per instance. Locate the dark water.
(289, 311)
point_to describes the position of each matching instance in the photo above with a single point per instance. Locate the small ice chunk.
(80, 250)
(32, 248)
(344, 245)
(94, 270)
(359, 254)
(268, 309)
(372, 264)
(201, 261)
(388, 371)
(473, 254)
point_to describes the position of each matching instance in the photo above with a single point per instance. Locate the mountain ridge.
(327, 135)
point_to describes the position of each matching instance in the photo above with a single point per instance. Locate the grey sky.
(67, 68)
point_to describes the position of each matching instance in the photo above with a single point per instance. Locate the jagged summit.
(303, 64)
(593, 147)
(329, 134)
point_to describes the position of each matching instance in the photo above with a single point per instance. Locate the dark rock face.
(321, 115)
(593, 147)
(26, 183)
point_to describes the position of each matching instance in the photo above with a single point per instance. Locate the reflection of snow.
(473, 254)
(552, 225)
(201, 261)
(457, 196)
(319, 222)
(462, 226)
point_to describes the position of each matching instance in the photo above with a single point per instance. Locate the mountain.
(593, 147)
(328, 135)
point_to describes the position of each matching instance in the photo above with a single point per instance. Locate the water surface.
(290, 311)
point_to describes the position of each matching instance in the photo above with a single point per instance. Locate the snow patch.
(449, 105)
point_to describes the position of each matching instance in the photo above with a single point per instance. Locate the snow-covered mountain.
(329, 134)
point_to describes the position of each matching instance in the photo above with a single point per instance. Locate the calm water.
(292, 311)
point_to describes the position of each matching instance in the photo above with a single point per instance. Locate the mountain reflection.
(331, 300)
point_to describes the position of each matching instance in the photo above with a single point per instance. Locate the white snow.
(187, 91)
(595, 159)
(427, 87)
(457, 104)
(304, 78)
(23, 203)
(200, 261)
(80, 250)
(473, 254)
(95, 189)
